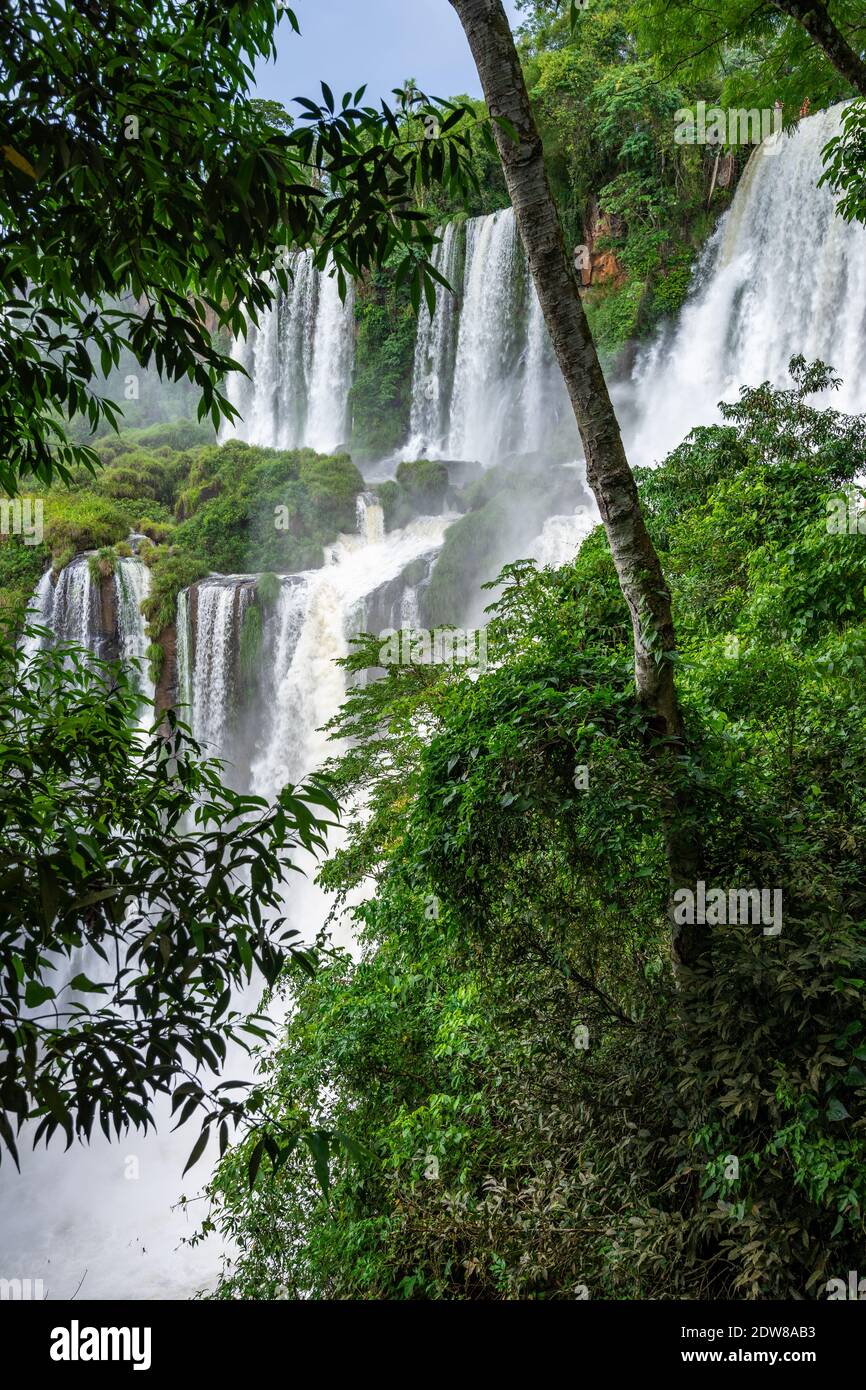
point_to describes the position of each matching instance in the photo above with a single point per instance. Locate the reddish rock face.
(604, 267)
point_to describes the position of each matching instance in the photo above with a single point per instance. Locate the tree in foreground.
(141, 897)
(607, 469)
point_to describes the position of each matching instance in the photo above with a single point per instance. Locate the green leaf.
(197, 1150)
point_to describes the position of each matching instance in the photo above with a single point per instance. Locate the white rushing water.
(783, 274)
(435, 348)
(485, 382)
(306, 631)
(299, 363)
(75, 616)
(131, 587)
(40, 613)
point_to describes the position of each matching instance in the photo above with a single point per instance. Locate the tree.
(139, 896)
(819, 24)
(144, 198)
(764, 53)
(608, 473)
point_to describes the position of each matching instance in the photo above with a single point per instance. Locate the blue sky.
(380, 42)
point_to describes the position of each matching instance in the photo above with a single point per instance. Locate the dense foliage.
(140, 897)
(538, 1110)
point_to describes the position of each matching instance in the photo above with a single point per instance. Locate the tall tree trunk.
(607, 469)
(816, 20)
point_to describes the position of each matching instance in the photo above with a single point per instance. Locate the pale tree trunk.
(607, 469)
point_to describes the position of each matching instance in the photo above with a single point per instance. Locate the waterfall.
(299, 362)
(330, 370)
(783, 274)
(40, 612)
(371, 518)
(298, 685)
(482, 393)
(485, 382)
(132, 586)
(210, 619)
(75, 614)
(435, 347)
(309, 687)
(71, 610)
(561, 537)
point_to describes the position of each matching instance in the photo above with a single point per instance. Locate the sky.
(380, 42)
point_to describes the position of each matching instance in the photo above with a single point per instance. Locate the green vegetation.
(101, 852)
(384, 355)
(155, 658)
(20, 568)
(250, 644)
(262, 509)
(267, 589)
(171, 571)
(204, 506)
(534, 1106)
(102, 564)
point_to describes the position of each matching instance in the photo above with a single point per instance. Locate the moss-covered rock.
(425, 483)
(505, 509)
(171, 571)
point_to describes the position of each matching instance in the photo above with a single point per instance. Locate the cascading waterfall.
(311, 687)
(210, 622)
(69, 608)
(371, 518)
(75, 613)
(435, 348)
(783, 274)
(40, 613)
(132, 586)
(485, 382)
(299, 362)
(331, 369)
(313, 618)
(487, 344)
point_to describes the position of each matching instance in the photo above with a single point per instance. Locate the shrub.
(102, 564)
(267, 589)
(171, 571)
(155, 658)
